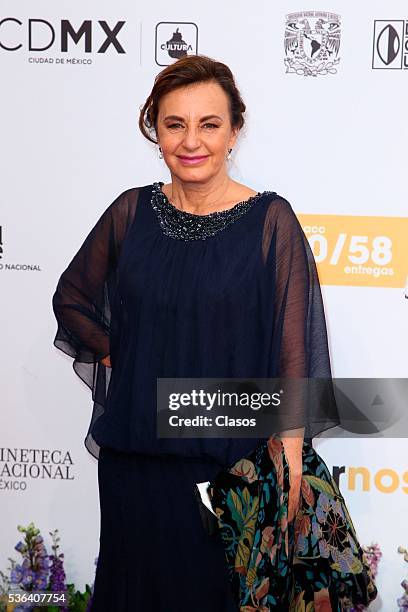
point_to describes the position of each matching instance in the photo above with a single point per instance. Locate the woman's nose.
(191, 138)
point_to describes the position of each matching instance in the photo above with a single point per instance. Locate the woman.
(199, 277)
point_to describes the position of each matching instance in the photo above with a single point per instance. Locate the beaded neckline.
(184, 225)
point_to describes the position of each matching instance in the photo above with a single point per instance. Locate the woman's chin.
(193, 174)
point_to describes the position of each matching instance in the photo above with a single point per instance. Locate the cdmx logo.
(390, 44)
(41, 35)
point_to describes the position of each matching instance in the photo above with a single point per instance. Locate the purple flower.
(28, 577)
(372, 555)
(20, 547)
(34, 568)
(16, 574)
(89, 605)
(57, 573)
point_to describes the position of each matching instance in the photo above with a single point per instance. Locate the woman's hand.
(293, 446)
(294, 495)
(106, 361)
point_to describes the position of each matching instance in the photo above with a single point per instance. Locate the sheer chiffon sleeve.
(299, 348)
(83, 299)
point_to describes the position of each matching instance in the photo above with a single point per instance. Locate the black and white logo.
(175, 40)
(19, 467)
(390, 44)
(40, 35)
(62, 42)
(17, 266)
(312, 43)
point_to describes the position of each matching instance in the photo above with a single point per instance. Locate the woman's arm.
(81, 299)
(299, 347)
(293, 445)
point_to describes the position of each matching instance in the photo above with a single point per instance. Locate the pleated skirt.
(154, 553)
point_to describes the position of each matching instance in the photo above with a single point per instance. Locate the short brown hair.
(186, 71)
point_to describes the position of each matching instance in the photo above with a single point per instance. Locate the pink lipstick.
(192, 160)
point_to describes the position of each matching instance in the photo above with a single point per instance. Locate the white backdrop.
(332, 144)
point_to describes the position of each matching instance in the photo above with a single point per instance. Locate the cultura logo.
(390, 44)
(40, 35)
(175, 40)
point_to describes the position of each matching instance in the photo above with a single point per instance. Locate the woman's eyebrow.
(210, 117)
(177, 118)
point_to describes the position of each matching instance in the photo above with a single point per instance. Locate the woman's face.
(194, 131)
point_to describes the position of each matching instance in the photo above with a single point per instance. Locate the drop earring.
(229, 154)
(160, 153)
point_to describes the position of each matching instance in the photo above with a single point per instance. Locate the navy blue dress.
(168, 293)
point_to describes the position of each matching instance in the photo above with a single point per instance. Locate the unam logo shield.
(312, 43)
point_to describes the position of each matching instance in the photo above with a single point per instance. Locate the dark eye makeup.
(207, 124)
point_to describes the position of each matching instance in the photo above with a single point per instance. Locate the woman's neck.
(199, 198)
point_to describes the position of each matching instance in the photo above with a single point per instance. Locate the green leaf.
(320, 485)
